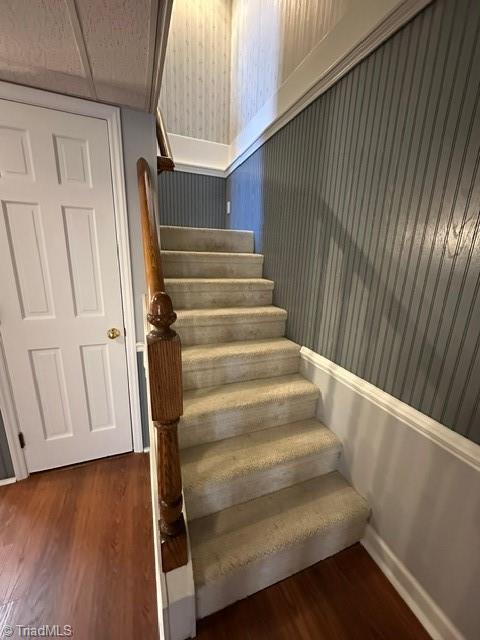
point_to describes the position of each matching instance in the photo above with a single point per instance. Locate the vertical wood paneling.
(6, 467)
(191, 200)
(367, 207)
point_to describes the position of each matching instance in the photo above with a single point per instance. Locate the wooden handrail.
(165, 383)
(165, 159)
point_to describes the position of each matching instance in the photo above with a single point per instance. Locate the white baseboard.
(411, 591)
(422, 482)
(7, 481)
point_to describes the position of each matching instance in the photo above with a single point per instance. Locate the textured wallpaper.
(270, 38)
(195, 97)
(226, 58)
(367, 208)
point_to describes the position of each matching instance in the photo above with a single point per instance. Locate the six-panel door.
(60, 286)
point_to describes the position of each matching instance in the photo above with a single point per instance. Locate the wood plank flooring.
(345, 597)
(76, 549)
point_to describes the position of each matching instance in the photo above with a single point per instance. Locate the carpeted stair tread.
(205, 356)
(230, 315)
(201, 239)
(200, 293)
(230, 540)
(216, 462)
(242, 395)
(219, 284)
(211, 256)
(211, 264)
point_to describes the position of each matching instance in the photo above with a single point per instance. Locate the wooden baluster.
(165, 380)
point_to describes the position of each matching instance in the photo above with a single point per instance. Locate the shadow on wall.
(366, 207)
(338, 289)
(423, 500)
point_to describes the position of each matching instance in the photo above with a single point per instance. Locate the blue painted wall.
(6, 467)
(366, 207)
(191, 200)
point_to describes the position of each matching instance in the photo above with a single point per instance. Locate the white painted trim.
(411, 591)
(121, 219)
(457, 445)
(111, 114)
(6, 481)
(204, 171)
(10, 420)
(365, 27)
(199, 156)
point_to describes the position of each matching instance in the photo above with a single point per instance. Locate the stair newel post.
(165, 367)
(165, 383)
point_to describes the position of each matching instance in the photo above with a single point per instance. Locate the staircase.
(263, 495)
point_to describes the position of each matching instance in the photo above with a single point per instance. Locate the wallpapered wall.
(366, 207)
(213, 81)
(279, 34)
(195, 96)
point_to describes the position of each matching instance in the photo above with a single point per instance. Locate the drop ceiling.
(106, 50)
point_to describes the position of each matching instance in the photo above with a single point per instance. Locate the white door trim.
(111, 115)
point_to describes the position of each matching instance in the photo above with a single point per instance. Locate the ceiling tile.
(117, 34)
(38, 48)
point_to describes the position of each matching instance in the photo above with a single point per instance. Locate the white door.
(60, 286)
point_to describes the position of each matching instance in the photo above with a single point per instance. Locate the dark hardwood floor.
(76, 549)
(345, 597)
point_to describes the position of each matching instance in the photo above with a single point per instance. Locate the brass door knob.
(113, 333)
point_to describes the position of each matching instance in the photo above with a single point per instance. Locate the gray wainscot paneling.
(142, 385)
(191, 200)
(6, 467)
(366, 207)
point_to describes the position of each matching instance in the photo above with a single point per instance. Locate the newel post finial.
(161, 315)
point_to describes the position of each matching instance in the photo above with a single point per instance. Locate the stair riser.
(239, 372)
(214, 497)
(232, 332)
(217, 594)
(220, 299)
(185, 239)
(231, 422)
(212, 269)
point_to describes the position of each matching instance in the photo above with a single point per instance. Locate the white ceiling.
(107, 50)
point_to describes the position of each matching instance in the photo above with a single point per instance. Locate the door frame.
(111, 114)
